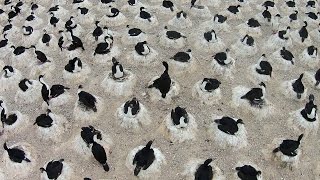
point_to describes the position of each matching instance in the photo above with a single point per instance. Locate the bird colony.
(159, 89)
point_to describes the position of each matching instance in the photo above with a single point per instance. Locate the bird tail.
(106, 167)
(300, 137)
(137, 170)
(5, 146)
(27, 160)
(207, 162)
(149, 144)
(276, 150)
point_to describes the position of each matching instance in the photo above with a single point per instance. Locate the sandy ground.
(260, 132)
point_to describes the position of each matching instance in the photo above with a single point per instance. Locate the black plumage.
(298, 86)
(221, 18)
(281, 33)
(54, 8)
(144, 14)
(139, 48)
(248, 40)
(53, 169)
(178, 113)
(40, 55)
(87, 100)
(23, 84)
(211, 84)
(9, 120)
(114, 11)
(293, 16)
(28, 30)
(83, 10)
(45, 90)
(174, 35)
(46, 39)
(100, 155)
(228, 125)
(168, 4)
(317, 77)
(289, 147)
(303, 32)
(221, 57)
(311, 50)
(163, 83)
(266, 14)
(253, 23)
(265, 68)
(76, 42)
(255, 96)
(182, 56)
(70, 67)
(208, 35)
(204, 171)
(30, 17)
(134, 105)
(18, 50)
(268, 4)
(4, 42)
(247, 172)
(88, 133)
(57, 89)
(312, 15)
(144, 158)
(134, 31)
(309, 107)
(291, 4)
(53, 20)
(44, 120)
(97, 31)
(233, 9)
(286, 55)
(16, 155)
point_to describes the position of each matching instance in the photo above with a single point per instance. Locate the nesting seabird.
(133, 114)
(179, 125)
(145, 161)
(207, 90)
(228, 131)
(119, 81)
(294, 89)
(163, 87)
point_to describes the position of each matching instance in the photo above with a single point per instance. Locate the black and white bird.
(256, 96)
(182, 56)
(261, 71)
(132, 107)
(74, 65)
(208, 90)
(10, 78)
(283, 59)
(145, 19)
(88, 134)
(295, 88)
(98, 31)
(142, 48)
(144, 158)
(105, 46)
(288, 151)
(309, 56)
(309, 113)
(305, 119)
(287, 55)
(313, 78)
(134, 36)
(49, 93)
(179, 117)
(40, 55)
(247, 172)
(223, 63)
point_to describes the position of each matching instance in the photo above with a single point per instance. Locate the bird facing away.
(144, 158)
(247, 172)
(309, 113)
(204, 171)
(298, 86)
(163, 83)
(53, 169)
(179, 117)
